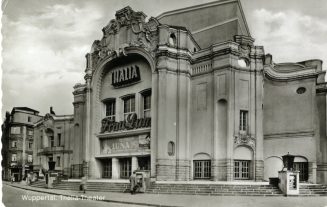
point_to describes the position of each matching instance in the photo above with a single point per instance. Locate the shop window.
(107, 168)
(144, 163)
(202, 169)
(59, 139)
(125, 168)
(147, 105)
(303, 168)
(29, 158)
(242, 169)
(171, 148)
(15, 130)
(14, 144)
(14, 157)
(243, 120)
(129, 106)
(110, 109)
(58, 161)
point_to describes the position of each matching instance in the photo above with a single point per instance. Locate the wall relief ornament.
(129, 29)
(244, 139)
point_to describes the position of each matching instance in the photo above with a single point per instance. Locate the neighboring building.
(53, 136)
(187, 96)
(17, 140)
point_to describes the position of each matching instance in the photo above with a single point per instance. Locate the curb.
(80, 197)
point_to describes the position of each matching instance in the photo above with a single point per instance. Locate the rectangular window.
(52, 141)
(303, 168)
(202, 169)
(107, 169)
(243, 120)
(14, 157)
(29, 119)
(30, 145)
(125, 168)
(59, 139)
(29, 158)
(110, 109)
(241, 169)
(129, 106)
(15, 130)
(147, 106)
(58, 161)
(14, 144)
(30, 132)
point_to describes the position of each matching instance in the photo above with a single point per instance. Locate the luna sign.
(125, 76)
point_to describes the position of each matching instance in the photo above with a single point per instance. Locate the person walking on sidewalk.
(83, 184)
(132, 179)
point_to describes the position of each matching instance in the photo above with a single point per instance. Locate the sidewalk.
(187, 200)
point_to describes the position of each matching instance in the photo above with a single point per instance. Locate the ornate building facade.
(189, 98)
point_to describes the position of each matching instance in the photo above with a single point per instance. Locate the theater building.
(188, 95)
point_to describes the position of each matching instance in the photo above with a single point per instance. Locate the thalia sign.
(127, 75)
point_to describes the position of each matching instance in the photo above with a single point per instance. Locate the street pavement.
(16, 197)
(126, 199)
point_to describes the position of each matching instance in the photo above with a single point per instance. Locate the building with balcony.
(53, 136)
(188, 95)
(18, 142)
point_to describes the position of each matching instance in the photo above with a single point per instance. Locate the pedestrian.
(12, 178)
(132, 180)
(83, 184)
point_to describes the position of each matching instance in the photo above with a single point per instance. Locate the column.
(135, 164)
(115, 168)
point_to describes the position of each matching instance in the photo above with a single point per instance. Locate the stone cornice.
(271, 73)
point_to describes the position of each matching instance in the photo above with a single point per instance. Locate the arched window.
(171, 148)
(172, 40)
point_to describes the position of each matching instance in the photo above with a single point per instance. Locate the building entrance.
(125, 167)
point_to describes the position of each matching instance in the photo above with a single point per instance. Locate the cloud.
(290, 36)
(44, 53)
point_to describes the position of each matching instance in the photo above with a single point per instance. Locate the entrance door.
(125, 167)
(202, 169)
(107, 169)
(303, 168)
(242, 169)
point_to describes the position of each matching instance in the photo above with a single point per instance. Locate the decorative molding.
(244, 139)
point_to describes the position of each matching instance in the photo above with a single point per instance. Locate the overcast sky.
(45, 41)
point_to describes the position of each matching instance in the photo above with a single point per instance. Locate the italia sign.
(125, 76)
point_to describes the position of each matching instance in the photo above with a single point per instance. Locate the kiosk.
(288, 179)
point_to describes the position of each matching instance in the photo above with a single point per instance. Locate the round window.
(300, 90)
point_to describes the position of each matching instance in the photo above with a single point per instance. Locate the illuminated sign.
(125, 76)
(131, 122)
